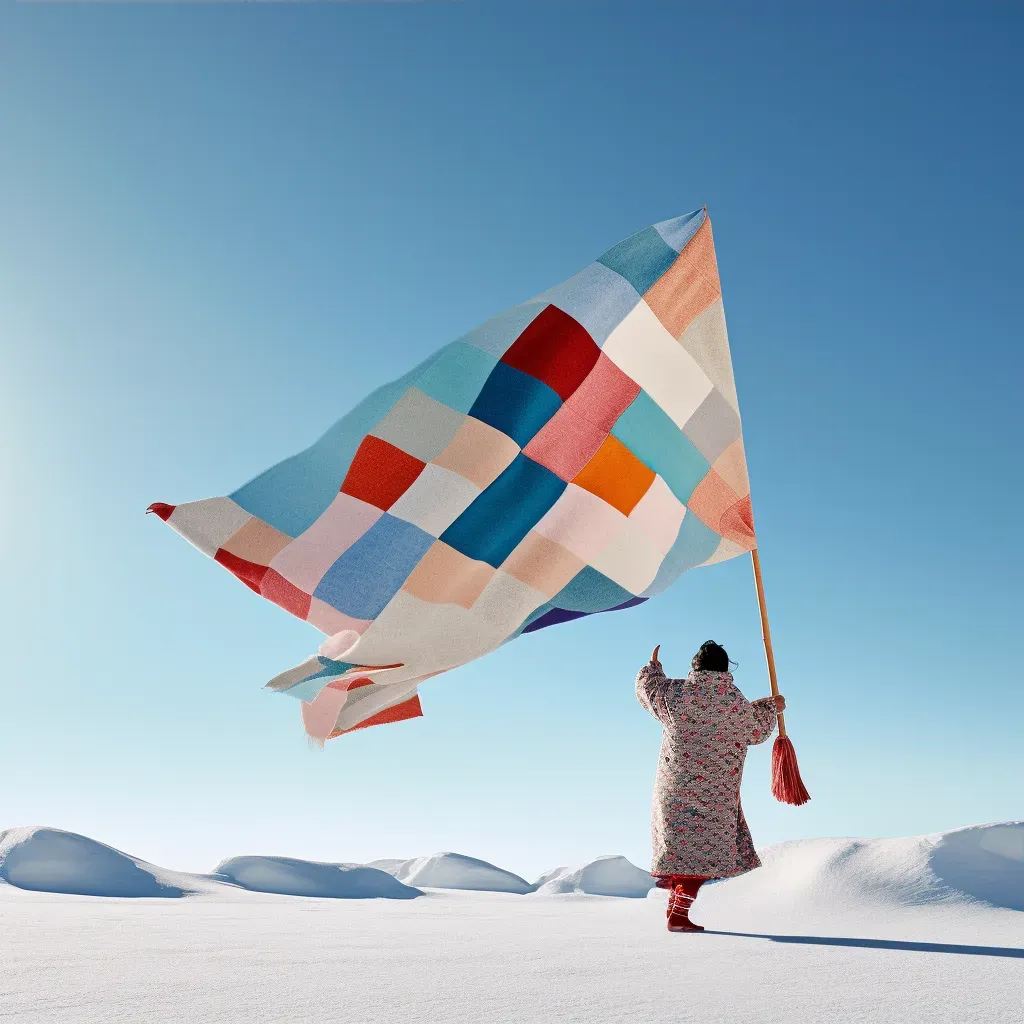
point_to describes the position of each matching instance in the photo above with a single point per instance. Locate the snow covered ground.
(905, 930)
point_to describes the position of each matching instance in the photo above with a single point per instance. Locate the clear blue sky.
(221, 226)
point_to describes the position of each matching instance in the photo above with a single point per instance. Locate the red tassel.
(787, 786)
(162, 509)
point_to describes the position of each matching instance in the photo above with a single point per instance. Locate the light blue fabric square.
(695, 544)
(597, 298)
(678, 231)
(366, 576)
(292, 495)
(495, 336)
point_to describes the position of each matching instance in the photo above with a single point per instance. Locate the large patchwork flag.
(574, 454)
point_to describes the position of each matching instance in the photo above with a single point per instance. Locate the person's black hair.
(711, 657)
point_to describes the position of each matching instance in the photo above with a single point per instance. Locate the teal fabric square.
(641, 259)
(651, 435)
(457, 375)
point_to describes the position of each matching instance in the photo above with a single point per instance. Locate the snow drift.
(457, 871)
(289, 877)
(51, 860)
(814, 881)
(605, 876)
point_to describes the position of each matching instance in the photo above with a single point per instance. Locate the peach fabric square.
(257, 542)
(312, 553)
(478, 452)
(731, 466)
(330, 621)
(715, 503)
(542, 564)
(689, 286)
(566, 443)
(581, 523)
(616, 475)
(446, 576)
(659, 513)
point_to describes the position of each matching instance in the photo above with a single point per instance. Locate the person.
(698, 830)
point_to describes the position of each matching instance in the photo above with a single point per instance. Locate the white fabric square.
(659, 514)
(435, 500)
(581, 522)
(631, 560)
(642, 348)
(208, 524)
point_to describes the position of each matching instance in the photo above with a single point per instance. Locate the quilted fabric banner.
(572, 455)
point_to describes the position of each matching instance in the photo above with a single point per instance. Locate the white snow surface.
(914, 930)
(457, 871)
(287, 876)
(605, 876)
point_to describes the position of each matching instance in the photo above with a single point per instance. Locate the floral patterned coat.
(697, 823)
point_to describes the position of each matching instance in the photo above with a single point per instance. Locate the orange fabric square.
(381, 473)
(542, 564)
(689, 286)
(478, 452)
(446, 576)
(257, 542)
(718, 506)
(616, 476)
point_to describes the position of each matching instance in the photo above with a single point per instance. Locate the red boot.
(679, 902)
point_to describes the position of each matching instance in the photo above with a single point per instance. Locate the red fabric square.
(555, 349)
(249, 573)
(284, 594)
(410, 708)
(380, 473)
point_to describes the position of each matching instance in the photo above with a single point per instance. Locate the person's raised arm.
(765, 712)
(648, 681)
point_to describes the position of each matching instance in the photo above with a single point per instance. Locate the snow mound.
(816, 879)
(605, 876)
(289, 877)
(985, 862)
(388, 864)
(457, 871)
(52, 860)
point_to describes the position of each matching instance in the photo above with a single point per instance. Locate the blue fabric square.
(678, 231)
(505, 512)
(641, 259)
(457, 375)
(651, 435)
(515, 403)
(695, 544)
(366, 576)
(596, 297)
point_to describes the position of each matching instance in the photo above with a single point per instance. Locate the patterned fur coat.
(697, 823)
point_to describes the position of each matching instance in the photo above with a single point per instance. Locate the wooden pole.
(767, 634)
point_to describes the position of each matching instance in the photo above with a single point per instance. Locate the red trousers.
(690, 883)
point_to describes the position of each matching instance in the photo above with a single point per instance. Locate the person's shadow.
(916, 947)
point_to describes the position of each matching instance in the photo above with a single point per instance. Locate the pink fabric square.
(659, 514)
(604, 395)
(582, 523)
(312, 553)
(566, 443)
(330, 621)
